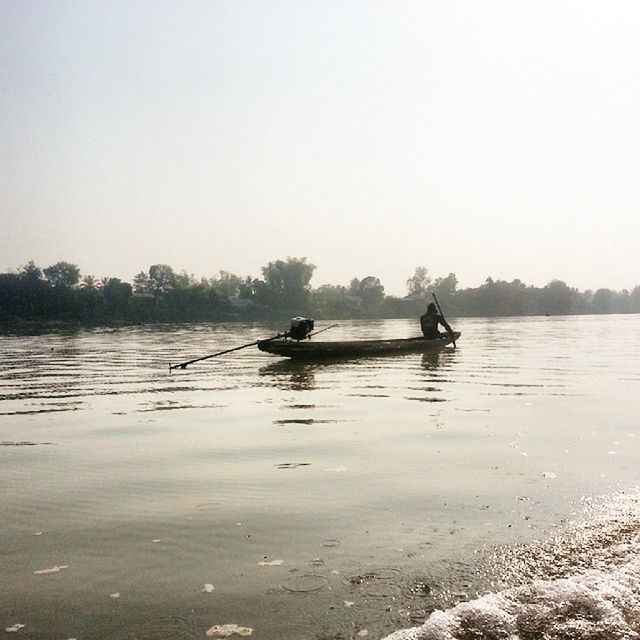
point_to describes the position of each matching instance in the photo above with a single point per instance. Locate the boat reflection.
(300, 375)
(290, 374)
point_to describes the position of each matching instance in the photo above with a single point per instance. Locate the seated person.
(429, 322)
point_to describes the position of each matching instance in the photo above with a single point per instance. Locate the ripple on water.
(207, 506)
(381, 582)
(166, 627)
(331, 543)
(307, 583)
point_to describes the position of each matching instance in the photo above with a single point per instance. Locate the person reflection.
(430, 360)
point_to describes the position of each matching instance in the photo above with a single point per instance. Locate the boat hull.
(309, 350)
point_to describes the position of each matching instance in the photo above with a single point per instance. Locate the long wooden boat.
(309, 350)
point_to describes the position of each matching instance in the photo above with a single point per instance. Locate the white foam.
(55, 569)
(595, 596)
(14, 628)
(595, 604)
(226, 630)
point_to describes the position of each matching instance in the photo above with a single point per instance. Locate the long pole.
(184, 365)
(442, 314)
(315, 333)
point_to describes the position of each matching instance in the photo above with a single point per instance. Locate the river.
(321, 501)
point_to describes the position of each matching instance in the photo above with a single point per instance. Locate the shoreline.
(35, 327)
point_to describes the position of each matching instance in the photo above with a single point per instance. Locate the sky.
(496, 138)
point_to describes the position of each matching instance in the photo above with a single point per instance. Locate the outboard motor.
(300, 328)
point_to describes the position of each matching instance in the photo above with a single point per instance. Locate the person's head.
(432, 308)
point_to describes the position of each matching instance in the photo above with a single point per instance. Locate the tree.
(184, 280)
(140, 283)
(88, 298)
(288, 281)
(62, 274)
(90, 282)
(161, 279)
(634, 300)
(331, 301)
(603, 300)
(419, 283)
(35, 290)
(30, 272)
(12, 301)
(371, 292)
(558, 298)
(445, 287)
(227, 284)
(116, 295)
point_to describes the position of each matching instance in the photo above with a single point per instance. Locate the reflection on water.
(289, 374)
(318, 500)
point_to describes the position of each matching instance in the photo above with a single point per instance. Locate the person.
(429, 322)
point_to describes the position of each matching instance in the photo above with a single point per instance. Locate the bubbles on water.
(207, 588)
(14, 628)
(270, 563)
(419, 588)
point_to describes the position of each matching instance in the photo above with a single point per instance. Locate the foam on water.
(583, 583)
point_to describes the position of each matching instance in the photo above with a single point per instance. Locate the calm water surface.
(318, 500)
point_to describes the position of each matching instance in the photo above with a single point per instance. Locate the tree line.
(60, 293)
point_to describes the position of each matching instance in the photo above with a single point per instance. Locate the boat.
(309, 350)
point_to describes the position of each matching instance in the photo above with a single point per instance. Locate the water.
(483, 487)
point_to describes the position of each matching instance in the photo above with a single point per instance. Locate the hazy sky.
(493, 138)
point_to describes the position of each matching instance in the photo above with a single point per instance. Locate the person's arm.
(422, 327)
(445, 324)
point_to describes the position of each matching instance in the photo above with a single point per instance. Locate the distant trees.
(62, 274)
(418, 284)
(161, 280)
(116, 295)
(160, 294)
(227, 285)
(287, 283)
(557, 298)
(141, 283)
(335, 301)
(370, 291)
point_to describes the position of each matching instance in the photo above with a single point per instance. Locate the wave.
(583, 583)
